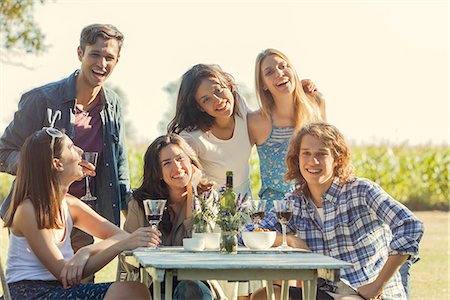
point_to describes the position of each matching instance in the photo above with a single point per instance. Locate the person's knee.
(188, 289)
(127, 290)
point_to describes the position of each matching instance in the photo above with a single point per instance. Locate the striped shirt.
(362, 225)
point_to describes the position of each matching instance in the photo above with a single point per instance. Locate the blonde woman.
(285, 107)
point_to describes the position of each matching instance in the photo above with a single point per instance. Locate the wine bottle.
(229, 197)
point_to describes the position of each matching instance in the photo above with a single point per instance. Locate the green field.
(415, 176)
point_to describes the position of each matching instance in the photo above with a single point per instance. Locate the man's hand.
(371, 291)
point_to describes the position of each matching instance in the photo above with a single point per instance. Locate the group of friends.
(51, 251)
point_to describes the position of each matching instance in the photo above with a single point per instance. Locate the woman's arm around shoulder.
(259, 127)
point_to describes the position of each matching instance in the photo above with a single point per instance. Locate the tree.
(19, 34)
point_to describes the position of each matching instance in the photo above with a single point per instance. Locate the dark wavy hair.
(153, 186)
(188, 115)
(333, 139)
(37, 181)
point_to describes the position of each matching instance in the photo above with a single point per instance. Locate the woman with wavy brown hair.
(212, 117)
(172, 172)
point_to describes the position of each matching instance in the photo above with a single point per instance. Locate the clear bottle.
(229, 197)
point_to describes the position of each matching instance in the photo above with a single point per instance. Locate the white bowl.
(212, 239)
(259, 240)
(194, 244)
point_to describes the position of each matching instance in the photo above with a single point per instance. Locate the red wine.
(153, 219)
(284, 216)
(258, 216)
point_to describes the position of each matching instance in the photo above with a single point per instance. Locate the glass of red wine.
(90, 157)
(257, 211)
(154, 209)
(283, 209)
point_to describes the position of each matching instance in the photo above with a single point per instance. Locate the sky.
(382, 65)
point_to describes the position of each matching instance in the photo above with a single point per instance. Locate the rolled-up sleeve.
(407, 230)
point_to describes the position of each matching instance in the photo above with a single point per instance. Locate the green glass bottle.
(229, 197)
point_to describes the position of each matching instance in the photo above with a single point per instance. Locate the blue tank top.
(272, 163)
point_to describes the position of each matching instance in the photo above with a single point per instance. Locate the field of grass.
(429, 276)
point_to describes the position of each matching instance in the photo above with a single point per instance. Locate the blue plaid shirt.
(362, 225)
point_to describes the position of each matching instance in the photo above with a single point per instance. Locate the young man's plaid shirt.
(362, 225)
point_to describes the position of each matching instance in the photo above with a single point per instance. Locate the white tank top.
(218, 156)
(23, 264)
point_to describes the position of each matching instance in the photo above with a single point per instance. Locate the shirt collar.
(332, 193)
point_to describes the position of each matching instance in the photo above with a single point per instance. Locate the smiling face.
(214, 98)
(278, 77)
(68, 162)
(316, 163)
(176, 167)
(98, 61)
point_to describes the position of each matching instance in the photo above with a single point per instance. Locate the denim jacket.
(112, 182)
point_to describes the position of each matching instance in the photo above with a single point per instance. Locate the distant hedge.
(415, 176)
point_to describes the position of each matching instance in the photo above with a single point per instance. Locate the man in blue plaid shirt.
(347, 218)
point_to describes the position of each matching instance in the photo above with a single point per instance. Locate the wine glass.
(283, 209)
(90, 157)
(257, 211)
(154, 209)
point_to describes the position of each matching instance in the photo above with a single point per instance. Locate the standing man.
(91, 116)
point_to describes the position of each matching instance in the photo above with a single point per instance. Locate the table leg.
(168, 285)
(269, 289)
(144, 277)
(157, 289)
(309, 289)
(285, 290)
(217, 289)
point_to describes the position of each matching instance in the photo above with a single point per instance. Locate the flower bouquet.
(231, 218)
(206, 208)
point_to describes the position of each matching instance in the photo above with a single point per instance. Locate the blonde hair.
(307, 110)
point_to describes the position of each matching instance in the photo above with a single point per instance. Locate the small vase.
(229, 242)
(201, 228)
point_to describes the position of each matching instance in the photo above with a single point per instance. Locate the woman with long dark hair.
(172, 172)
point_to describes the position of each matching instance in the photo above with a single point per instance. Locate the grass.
(429, 276)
